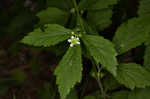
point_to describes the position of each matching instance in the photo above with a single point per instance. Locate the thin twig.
(78, 14)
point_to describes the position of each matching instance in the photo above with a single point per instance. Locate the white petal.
(71, 45)
(77, 38)
(72, 37)
(69, 40)
(78, 42)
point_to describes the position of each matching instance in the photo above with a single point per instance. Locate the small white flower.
(77, 38)
(71, 45)
(73, 41)
(72, 37)
(78, 42)
(69, 40)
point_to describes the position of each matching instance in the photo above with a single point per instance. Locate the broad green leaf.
(52, 35)
(95, 4)
(103, 52)
(133, 75)
(120, 95)
(144, 7)
(140, 94)
(69, 71)
(132, 33)
(147, 54)
(135, 94)
(52, 16)
(147, 57)
(101, 19)
(86, 27)
(99, 12)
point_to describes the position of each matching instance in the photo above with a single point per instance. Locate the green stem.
(100, 83)
(78, 14)
(76, 7)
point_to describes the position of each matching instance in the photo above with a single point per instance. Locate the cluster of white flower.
(73, 41)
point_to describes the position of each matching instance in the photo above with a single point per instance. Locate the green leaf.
(102, 51)
(95, 4)
(53, 16)
(135, 94)
(69, 71)
(139, 94)
(132, 33)
(144, 7)
(52, 35)
(86, 27)
(120, 95)
(99, 12)
(147, 57)
(73, 94)
(110, 83)
(101, 19)
(147, 54)
(133, 75)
